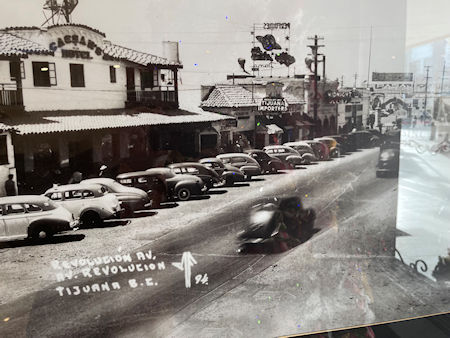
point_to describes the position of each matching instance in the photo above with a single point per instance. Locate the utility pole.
(355, 76)
(370, 54)
(443, 77)
(426, 88)
(315, 49)
(342, 81)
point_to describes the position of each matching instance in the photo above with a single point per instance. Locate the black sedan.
(162, 184)
(208, 176)
(227, 173)
(269, 164)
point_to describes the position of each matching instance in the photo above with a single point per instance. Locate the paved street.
(344, 275)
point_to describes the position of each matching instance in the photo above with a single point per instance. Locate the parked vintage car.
(303, 149)
(130, 198)
(227, 173)
(248, 165)
(320, 150)
(365, 139)
(32, 216)
(343, 142)
(269, 164)
(163, 179)
(289, 156)
(207, 175)
(333, 146)
(91, 203)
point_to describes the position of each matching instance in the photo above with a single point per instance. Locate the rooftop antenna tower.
(58, 11)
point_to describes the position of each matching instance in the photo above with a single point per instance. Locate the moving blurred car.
(388, 160)
(208, 176)
(248, 165)
(91, 203)
(130, 198)
(289, 156)
(320, 150)
(31, 216)
(227, 173)
(333, 146)
(157, 181)
(269, 164)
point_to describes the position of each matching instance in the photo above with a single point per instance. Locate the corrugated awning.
(58, 122)
(274, 129)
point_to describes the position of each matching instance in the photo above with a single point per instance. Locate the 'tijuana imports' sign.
(273, 105)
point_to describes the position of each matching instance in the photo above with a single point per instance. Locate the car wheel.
(273, 170)
(183, 194)
(41, 233)
(248, 177)
(90, 219)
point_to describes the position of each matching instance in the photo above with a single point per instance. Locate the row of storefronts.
(270, 111)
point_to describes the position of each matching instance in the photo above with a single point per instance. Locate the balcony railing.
(10, 95)
(155, 97)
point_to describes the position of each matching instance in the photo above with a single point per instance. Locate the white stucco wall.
(98, 93)
(5, 76)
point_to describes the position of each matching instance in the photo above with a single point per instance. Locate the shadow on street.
(54, 240)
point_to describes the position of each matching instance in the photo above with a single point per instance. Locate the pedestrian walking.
(10, 186)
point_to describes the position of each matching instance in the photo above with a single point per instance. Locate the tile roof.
(67, 121)
(13, 45)
(78, 25)
(232, 96)
(122, 53)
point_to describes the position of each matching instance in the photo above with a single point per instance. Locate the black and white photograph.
(223, 168)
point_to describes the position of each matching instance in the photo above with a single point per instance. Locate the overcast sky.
(213, 34)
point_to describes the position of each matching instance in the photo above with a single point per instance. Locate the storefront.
(78, 101)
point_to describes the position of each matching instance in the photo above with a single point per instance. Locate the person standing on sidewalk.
(10, 186)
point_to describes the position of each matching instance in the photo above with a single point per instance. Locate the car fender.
(55, 225)
(276, 163)
(294, 159)
(309, 157)
(100, 211)
(184, 184)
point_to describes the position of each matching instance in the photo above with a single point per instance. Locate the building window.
(22, 69)
(44, 74)
(112, 74)
(76, 75)
(3, 150)
(147, 80)
(348, 108)
(13, 70)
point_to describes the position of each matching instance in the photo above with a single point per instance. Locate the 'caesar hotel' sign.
(76, 40)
